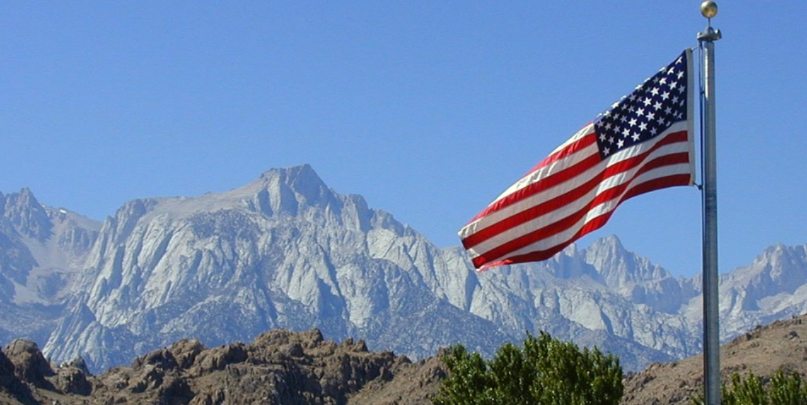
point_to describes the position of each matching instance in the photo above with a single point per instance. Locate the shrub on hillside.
(783, 389)
(543, 371)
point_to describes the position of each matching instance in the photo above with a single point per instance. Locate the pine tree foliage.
(543, 371)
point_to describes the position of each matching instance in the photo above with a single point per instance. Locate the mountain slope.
(282, 367)
(762, 351)
(41, 252)
(281, 252)
(286, 251)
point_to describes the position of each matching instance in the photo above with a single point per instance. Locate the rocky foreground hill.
(763, 351)
(279, 367)
(282, 367)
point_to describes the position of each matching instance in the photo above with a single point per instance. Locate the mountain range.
(286, 251)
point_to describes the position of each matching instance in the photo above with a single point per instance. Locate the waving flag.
(643, 143)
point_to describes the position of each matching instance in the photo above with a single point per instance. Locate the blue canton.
(647, 112)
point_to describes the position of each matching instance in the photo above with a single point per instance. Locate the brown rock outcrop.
(282, 367)
(279, 367)
(12, 389)
(29, 363)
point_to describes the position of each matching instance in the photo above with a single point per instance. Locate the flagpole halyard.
(711, 313)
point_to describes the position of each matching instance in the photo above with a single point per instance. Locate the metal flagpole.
(711, 322)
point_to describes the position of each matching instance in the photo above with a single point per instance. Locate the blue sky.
(427, 109)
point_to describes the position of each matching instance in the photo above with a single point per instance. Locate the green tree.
(783, 389)
(544, 371)
(744, 391)
(788, 389)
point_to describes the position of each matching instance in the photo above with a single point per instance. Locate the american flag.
(642, 143)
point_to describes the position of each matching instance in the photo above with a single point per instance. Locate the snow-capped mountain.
(286, 251)
(282, 252)
(41, 253)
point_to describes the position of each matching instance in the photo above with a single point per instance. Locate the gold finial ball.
(709, 9)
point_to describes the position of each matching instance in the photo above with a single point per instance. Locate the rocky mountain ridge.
(279, 367)
(283, 367)
(286, 251)
(42, 250)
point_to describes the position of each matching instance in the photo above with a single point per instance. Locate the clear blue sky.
(429, 109)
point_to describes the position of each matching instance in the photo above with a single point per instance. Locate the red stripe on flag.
(567, 150)
(555, 227)
(539, 255)
(575, 191)
(574, 194)
(551, 180)
(483, 263)
(593, 225)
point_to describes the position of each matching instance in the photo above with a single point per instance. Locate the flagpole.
(711, 313)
